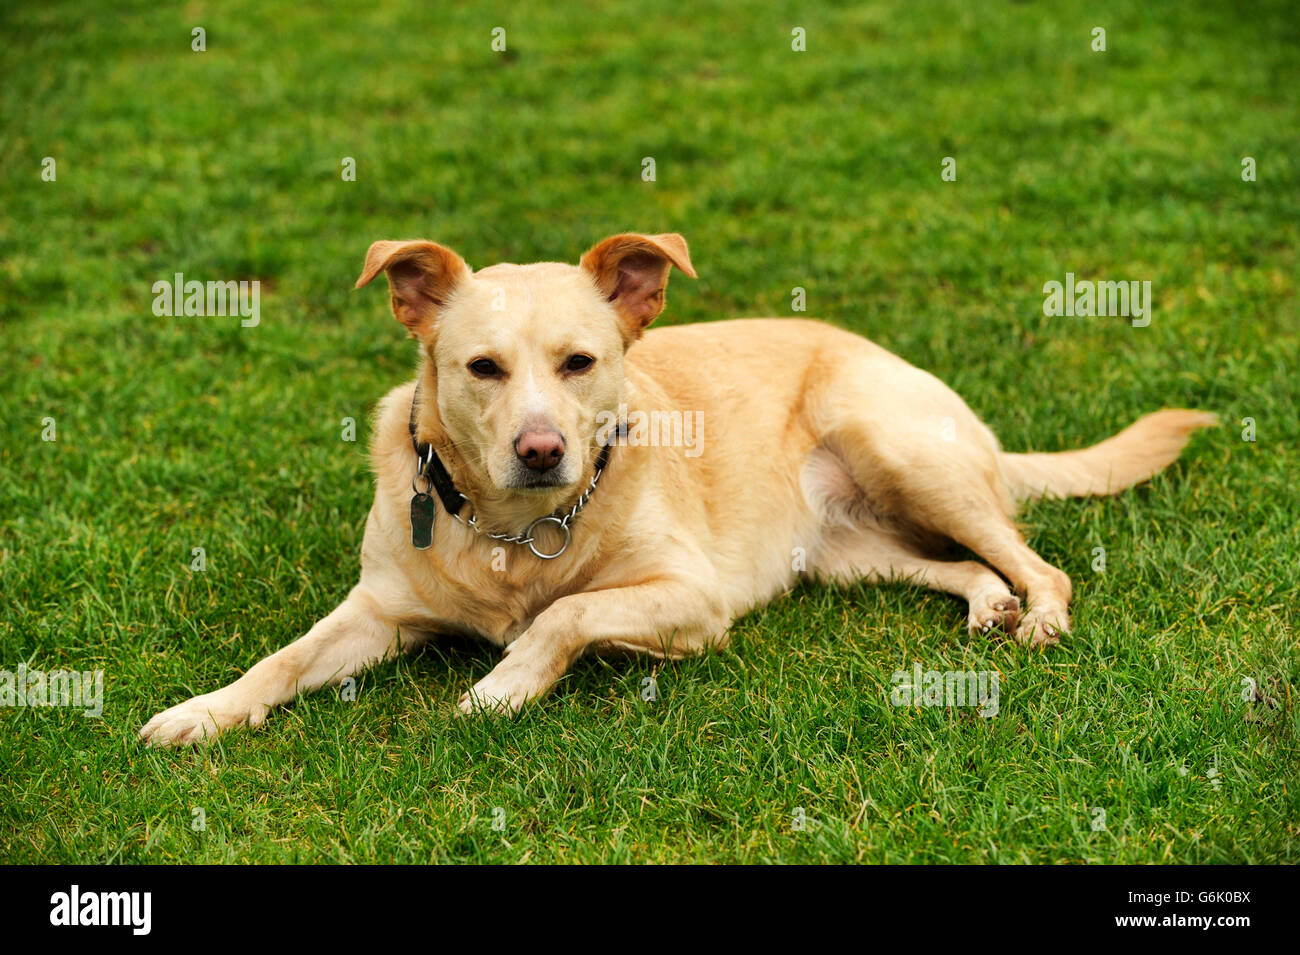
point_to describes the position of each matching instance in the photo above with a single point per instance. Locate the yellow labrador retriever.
(555, 481)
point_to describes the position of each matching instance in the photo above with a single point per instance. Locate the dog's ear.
(631, 271)
(421, 277)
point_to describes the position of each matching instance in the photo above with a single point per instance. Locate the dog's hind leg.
(877, 556)
(956, 492)
(345, 642)
(921, 459)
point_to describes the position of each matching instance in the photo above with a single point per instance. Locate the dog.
(516, 499)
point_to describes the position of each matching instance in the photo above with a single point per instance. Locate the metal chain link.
(525, 539)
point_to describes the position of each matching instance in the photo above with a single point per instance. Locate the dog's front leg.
(345, 642)
(663, 618)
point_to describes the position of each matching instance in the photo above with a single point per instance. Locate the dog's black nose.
(540, 450)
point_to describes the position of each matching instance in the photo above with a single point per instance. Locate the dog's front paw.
(200, 719)
(504, 691)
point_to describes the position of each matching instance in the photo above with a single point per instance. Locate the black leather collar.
(431, 466)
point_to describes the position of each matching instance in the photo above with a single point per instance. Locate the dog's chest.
(496, 599)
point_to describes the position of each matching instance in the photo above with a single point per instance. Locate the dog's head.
(524, 359)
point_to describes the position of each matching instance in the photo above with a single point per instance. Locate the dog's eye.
(578, 363)
(485, 368)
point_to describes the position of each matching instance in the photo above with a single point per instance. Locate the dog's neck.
(498, 511)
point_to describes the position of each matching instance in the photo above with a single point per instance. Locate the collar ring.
(532, 541)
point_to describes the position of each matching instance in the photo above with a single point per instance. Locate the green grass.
(817, 169)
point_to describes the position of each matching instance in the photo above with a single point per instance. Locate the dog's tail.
(1143, 449)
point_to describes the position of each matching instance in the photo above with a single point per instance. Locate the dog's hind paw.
(994, 610)
(1041, 628)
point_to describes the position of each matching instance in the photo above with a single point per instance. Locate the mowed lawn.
(1137, 740)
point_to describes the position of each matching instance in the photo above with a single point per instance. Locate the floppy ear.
(421, 277)
(631, 271)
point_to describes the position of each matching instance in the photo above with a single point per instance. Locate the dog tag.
(422, 511)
